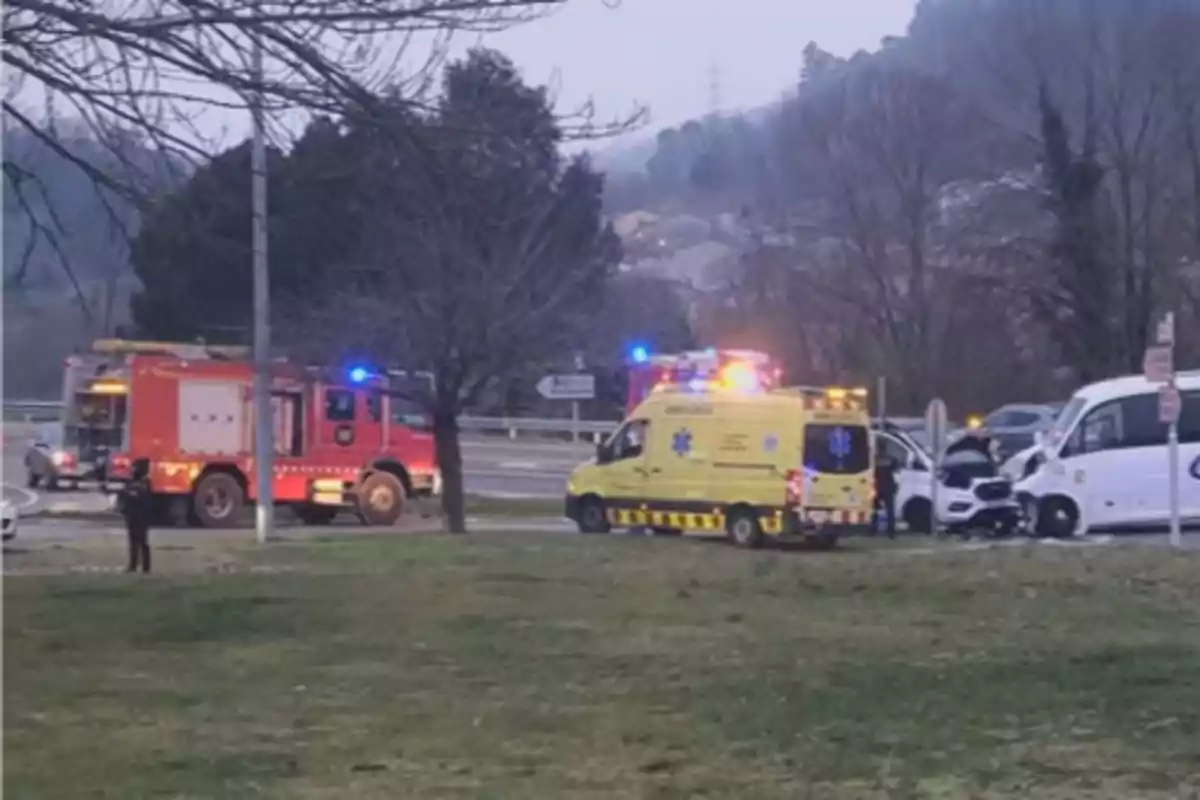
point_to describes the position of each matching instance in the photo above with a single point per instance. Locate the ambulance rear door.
(836, 451)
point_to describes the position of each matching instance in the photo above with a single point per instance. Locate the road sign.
(1166, 329)
(567, 387)
(1158, 364)
(1170, 404)
(935, 426)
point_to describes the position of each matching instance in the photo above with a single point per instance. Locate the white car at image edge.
(9, 515)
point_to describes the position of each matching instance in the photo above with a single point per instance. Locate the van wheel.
(592, 516)
(380, 499)
(1057, 518)
(918, 515)
(743, 529)
(217, 500)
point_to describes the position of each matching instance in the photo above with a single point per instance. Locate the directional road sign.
(1158, 364)
(1170, 404)
(567, 387)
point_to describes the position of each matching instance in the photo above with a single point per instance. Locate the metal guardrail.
(48, 410)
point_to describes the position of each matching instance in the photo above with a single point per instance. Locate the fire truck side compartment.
(211, 417)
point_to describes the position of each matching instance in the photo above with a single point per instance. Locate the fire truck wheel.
(217, 500)
(380, 499)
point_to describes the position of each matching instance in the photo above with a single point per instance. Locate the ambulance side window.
(339, 405)
(631, 441)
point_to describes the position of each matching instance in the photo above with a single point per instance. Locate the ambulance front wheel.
(741, 524)
(592, 516)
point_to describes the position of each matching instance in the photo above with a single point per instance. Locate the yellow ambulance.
(793, 463)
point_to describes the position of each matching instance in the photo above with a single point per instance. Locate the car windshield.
(1065, 419)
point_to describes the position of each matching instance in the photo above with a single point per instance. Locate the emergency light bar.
(193, 350)
(833, 398)
(106, 387)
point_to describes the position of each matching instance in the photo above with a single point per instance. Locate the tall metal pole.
(1166, 337)
(264, 424)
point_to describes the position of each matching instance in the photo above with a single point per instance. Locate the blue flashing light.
(359, 374)
(640, 354)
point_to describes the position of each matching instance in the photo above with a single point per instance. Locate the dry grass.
(529, 666)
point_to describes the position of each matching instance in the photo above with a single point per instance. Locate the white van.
(1103, 464)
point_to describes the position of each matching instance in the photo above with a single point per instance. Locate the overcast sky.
(660, 52)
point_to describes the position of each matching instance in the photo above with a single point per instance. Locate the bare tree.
(152, 68)
(482, 249)
(881, 156)
(1121, 78)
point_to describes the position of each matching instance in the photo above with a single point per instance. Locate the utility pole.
(264, 422)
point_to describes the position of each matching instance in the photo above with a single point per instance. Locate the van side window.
(1189, 418)
(339, 405)
(631, 441)
(1128, 422)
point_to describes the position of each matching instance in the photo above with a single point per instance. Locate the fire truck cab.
(342, 441)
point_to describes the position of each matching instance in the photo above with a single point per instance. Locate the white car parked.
(1104, 465)
(972, 494)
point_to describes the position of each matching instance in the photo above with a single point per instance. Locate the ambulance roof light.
(639, 354)
(359, 374)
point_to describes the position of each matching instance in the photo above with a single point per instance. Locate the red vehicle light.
(795, 487)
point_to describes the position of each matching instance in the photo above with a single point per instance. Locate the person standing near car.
(136, 503)
(885, 494)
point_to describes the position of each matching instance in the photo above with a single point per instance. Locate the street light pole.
(264, 449)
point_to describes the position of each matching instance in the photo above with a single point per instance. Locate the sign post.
(1170, 406)
(935, 433)
(1159, 367)
(575, 403)
(569, 387)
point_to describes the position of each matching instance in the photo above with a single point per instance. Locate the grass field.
(535, 666)
(476, 506)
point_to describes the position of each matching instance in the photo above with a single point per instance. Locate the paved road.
(494, 467)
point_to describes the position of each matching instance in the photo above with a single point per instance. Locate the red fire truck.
(342, 442)
(740, 369)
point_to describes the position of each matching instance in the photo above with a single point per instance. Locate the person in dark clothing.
(135, 502)
(885, 494)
